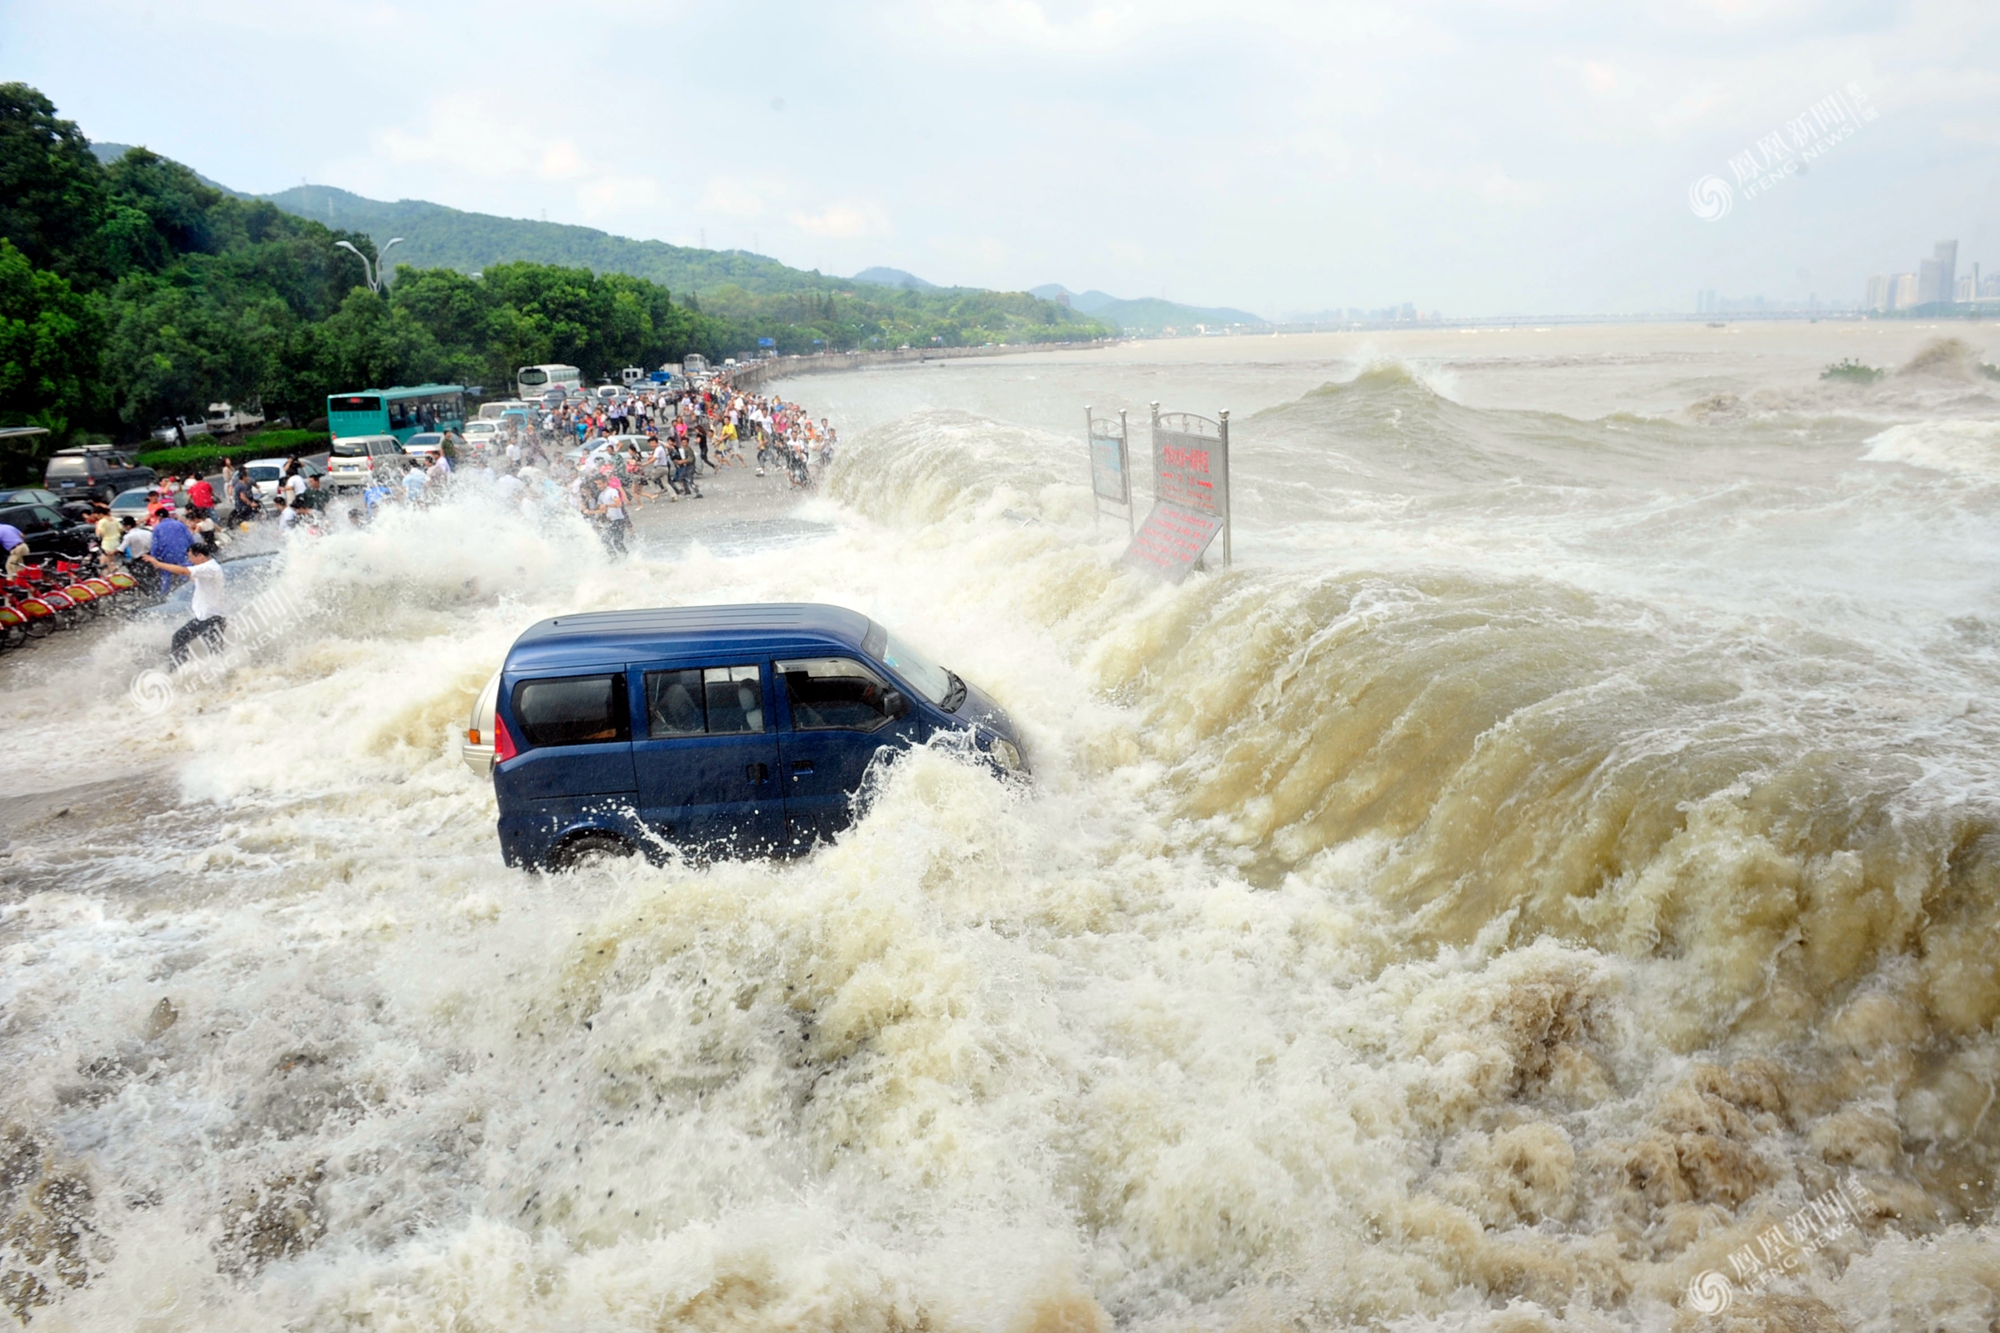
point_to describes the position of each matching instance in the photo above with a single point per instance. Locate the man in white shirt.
(210, 602)
(137, 542)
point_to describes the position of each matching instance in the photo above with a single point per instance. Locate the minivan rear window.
(69, 467)
(573, 710)
(350, 448)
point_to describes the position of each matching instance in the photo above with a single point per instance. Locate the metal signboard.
(1108, 474)
(1110, 464)
(1171, 540)
(1191, 462)
(1190, 493)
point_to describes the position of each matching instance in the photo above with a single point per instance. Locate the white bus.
(534, 381)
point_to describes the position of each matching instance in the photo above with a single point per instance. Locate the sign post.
(1110, 466)
(1190, 494)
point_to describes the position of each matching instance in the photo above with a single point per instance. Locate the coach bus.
(398, 412)
(534, 381)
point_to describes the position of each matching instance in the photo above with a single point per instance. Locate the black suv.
(48, 532)
(94, 473)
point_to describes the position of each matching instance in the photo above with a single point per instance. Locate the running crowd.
(597, 458)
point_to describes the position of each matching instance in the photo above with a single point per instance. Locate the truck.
(224, 418)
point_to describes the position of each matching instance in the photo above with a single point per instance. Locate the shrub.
(1852, 371)
(263, 444)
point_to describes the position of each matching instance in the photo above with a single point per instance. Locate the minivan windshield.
(925, 676)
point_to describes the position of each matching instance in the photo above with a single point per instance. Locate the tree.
(48, 349)
(52, 196)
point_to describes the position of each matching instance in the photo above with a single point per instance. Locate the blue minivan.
(720, 730)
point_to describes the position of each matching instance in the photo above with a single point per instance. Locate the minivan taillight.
(503, 744)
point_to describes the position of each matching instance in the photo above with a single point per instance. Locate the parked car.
(48, 532)
(77, 508)
(482, 435)
(223, 418)
(189, 428)
(266, 473)
(131, 504)
(94, 473)
(718, 729)
(357, 459)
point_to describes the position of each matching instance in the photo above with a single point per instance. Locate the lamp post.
(376, 273)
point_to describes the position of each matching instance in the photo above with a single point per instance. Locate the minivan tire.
(589, 849)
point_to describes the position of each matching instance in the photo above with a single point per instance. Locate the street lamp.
(376, 273)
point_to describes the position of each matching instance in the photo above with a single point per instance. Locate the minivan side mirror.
(894, 704)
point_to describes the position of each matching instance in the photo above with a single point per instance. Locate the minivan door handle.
(801, 767)
(757, 772)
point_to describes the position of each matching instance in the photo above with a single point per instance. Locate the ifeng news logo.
(1783, 153)
(1779, 1250)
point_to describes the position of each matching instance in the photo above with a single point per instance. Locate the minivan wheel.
(589, 849)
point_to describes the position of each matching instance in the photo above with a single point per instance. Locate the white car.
(189, 426)
(426, 445)
(482, 434)
(353, 461)
(267, 473)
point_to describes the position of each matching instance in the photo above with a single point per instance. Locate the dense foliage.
(795, 307)
(131, 291)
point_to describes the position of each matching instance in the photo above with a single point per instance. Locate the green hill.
(1147, 314)
(438, 237)
(800, 309)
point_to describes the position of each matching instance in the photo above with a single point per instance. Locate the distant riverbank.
(752, 374)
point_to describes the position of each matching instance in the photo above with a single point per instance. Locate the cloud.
(738, 198)
(844, 220)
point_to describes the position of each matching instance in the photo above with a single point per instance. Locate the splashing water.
(1564, 846)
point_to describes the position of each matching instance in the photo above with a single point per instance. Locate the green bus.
(398, 412)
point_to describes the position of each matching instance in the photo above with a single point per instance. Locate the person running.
(136, 541)
(209, 605)
(609, 511)
(201, 499)
(108, 535)
(171, 540)
(244, 502)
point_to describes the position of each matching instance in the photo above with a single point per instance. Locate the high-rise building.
(1881, 292)
(1903, 292)
(1937, 277)
(1990, 285)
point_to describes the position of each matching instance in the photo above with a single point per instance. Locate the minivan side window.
(573, 710)
(835, 694)
(705, 701)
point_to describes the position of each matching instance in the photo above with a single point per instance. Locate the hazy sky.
(1516, 155)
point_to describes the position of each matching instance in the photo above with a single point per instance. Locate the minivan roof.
(597, 637)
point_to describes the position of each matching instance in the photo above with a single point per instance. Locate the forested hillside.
(800, 309)
(131, 290)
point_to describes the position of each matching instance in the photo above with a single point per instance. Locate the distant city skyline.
(1286, 158)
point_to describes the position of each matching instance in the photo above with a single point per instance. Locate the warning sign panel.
(1188, 471)
(1171, 540)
